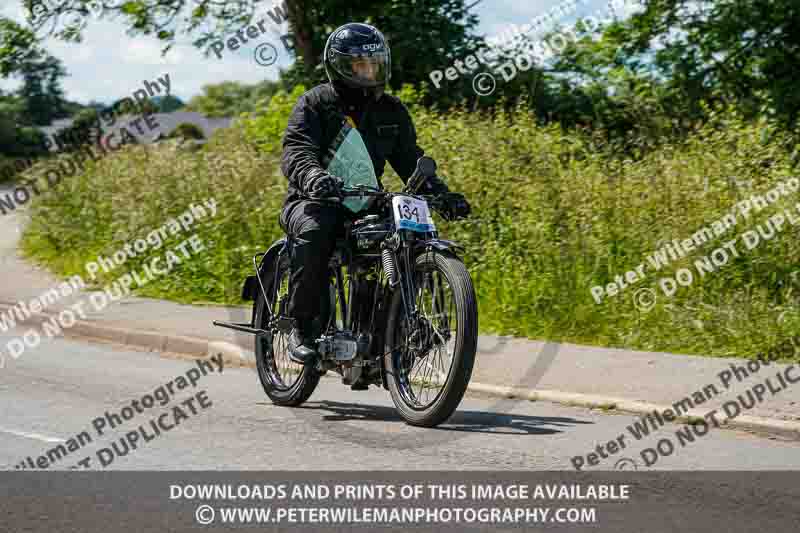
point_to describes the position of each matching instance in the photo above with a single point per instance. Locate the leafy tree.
(37, 102)
(229, 99)
(658, 72)
(590, 82)
(168, 104)
(148, 106)
(17, 44)
(41, 89)
(41, 97)
(186, 130)
(128, 105)
(225, 99)
(675, 57)
(10, 111)
(262, 92)
(84, 128)
(17, 143)
(745, 51)
(94, 104)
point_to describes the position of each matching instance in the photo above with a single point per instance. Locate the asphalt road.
(55, 392)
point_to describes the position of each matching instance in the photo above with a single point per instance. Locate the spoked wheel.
(286, 383)
(430, 357)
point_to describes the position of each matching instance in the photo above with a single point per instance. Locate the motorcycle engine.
(342, 346)
(344, 349)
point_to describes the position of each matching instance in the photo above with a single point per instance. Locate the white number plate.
(412, 214)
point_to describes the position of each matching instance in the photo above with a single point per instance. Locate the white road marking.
(34, 436)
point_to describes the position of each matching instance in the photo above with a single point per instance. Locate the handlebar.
(351, 193)
(358, 192)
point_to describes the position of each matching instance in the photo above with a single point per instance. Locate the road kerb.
(232, 354)
(591, 401)
(237, 356)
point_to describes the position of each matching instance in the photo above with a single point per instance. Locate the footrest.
(243, 326)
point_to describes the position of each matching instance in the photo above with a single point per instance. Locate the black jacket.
(385, 125)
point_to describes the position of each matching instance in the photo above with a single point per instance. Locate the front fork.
(408, 293)
(403, 258)
(396, 267)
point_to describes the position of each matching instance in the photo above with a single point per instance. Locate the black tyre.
(425, 388)
(286, 383)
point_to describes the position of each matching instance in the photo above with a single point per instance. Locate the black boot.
(301, 348)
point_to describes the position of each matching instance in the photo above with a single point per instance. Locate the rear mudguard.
(251, 287)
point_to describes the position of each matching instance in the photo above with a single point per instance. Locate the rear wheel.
(286, 383)
(429, 358)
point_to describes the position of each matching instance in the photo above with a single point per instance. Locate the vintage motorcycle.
(401, 311)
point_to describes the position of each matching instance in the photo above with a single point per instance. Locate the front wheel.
(429, 357)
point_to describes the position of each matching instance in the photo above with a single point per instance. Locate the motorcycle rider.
(357, 62)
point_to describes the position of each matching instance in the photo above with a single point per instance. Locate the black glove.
(453, 206)
(433, 186)
(323, 185)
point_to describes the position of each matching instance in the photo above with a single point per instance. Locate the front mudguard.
(439, 244)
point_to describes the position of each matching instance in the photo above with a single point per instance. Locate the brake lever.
(438, 204)
(414, 181)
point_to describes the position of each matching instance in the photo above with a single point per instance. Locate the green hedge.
(555, 214)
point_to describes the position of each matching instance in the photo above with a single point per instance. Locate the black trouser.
(314, 227)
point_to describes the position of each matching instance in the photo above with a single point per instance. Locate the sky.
(109, 65)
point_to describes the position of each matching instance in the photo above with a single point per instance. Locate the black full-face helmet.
(357, 58)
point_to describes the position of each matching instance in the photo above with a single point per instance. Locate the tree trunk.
(302, 32)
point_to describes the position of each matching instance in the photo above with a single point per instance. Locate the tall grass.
(554, 215)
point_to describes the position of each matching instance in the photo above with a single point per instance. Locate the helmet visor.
(362, 70)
